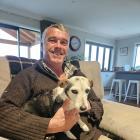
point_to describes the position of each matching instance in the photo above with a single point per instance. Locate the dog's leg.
(70, 135)
(83, 126)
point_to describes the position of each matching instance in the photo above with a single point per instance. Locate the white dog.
(76, 89)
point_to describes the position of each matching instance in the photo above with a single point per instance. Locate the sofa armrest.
(104, 138)
(121, 120)
(5, 76)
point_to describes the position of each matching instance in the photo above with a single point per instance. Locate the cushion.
(17, 64)
(92, 70)
(4, 74)
(104, 138)
(122, 120)
(10, 66)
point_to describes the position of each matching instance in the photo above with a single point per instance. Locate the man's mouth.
(57, 53)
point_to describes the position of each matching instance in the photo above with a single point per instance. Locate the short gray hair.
(61, 27)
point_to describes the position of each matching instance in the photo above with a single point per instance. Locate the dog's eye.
(87, 90)
(74, 91)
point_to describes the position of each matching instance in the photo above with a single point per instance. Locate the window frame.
(97, 53)
(136, 47)
(18, 36)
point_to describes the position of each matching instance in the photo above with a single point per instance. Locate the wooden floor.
(132, 102)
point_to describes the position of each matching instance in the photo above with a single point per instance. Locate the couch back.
(92, 70)
(11, 65)
(4, 74)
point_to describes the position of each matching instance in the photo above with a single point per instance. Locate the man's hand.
(63, 120)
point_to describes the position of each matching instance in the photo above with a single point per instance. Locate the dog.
(76, 89)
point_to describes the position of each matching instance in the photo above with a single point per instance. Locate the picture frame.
(124, 51)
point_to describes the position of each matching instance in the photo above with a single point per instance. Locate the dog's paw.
(70, 135)
(85, 128)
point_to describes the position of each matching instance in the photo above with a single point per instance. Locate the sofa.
(119, 122)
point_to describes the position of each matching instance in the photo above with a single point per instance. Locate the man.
(17, 124)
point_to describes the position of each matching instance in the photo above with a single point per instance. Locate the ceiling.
(112, 19)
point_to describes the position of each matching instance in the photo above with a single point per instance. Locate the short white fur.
(76, 89)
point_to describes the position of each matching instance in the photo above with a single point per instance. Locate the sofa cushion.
(17, 64)
(92, 70)
(122, 120)
(4, 74)
(10, 66)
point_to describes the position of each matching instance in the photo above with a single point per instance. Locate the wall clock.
(75, 43)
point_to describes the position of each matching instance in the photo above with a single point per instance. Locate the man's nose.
(58, 43)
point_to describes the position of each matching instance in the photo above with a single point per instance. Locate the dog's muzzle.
(83, 108)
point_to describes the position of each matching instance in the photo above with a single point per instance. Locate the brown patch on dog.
(62, 83)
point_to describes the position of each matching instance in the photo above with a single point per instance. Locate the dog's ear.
(63, 83)
(91, 83)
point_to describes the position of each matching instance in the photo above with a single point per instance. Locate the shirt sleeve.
(16, 123)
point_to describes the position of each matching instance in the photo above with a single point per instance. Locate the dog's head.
(77, 89)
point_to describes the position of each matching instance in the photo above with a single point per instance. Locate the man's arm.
(96, 111)
(63, 120)
(16, 123)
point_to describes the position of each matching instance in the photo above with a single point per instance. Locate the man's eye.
(64, 42)
(52, 40)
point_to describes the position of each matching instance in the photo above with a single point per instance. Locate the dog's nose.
(82, 108)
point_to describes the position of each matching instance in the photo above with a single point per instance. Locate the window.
(19, 42)
(137, 57)
(87, 46)
(8, 41)
(98, 52)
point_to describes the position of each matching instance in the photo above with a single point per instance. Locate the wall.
(34, 24)
(128, 59)
(107, 78)
(20, 21)
(84, 36)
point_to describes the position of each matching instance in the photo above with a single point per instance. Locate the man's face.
(56, 45)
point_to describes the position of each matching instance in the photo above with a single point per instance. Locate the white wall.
(91, 37)
(107, 78)
(129, 42)
(21, 21)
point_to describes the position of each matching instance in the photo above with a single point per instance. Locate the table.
(128, 75)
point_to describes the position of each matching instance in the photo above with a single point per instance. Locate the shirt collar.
(68, 68)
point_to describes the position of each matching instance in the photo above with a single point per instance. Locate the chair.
(132, 93)
(120, 83)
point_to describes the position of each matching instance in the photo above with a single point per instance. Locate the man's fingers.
(74, 111)
(71, 113)
(66, 104)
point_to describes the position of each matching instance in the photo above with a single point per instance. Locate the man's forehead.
(54, 30)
